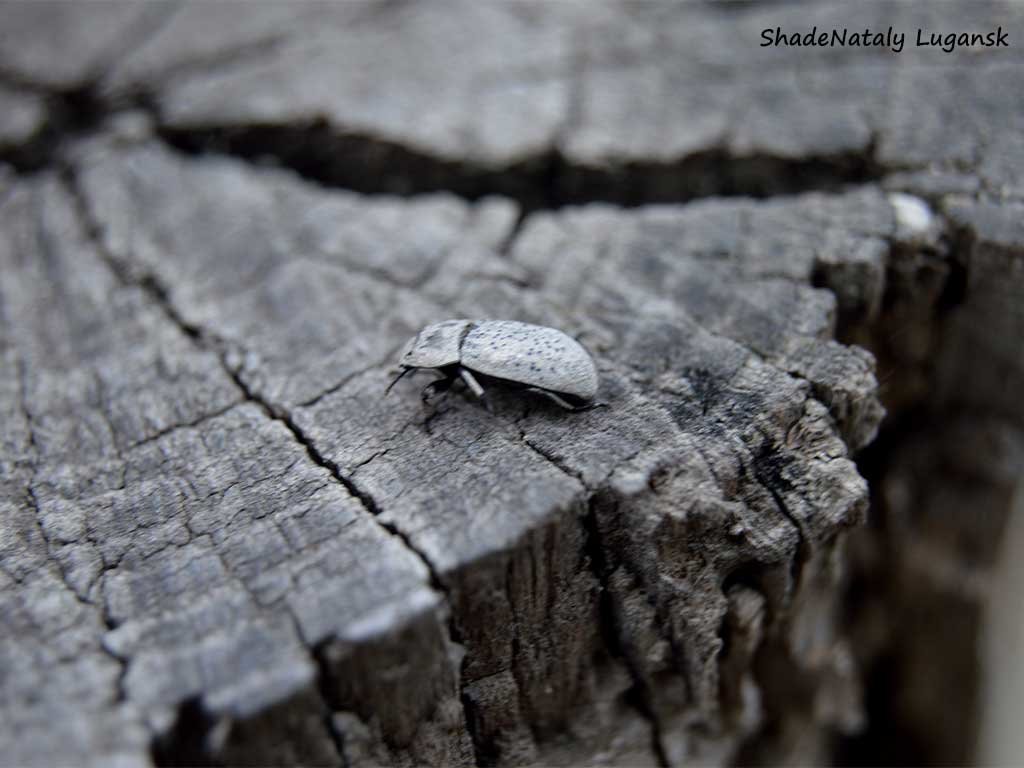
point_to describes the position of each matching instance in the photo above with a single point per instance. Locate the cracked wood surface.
(221, 543)
(249, 501)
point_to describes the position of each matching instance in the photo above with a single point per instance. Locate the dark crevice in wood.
(355, 491)
(184, 425)
(121, 693)
(768, 466)
(81, 109)
(186, 744)
(915, 272)
(374, 165)
(505, 247)
(880, 679)
(596, 554)
(158, 293)
(185, 732)
(33, 501)
(889, 738)
(639, 696)
(787, 688)
(901, 746)
(954, 292)
(69, 114)
(547, 180)
(485, 754)
(752, 576)
(323, 677)
(516, 658)
(916, 414)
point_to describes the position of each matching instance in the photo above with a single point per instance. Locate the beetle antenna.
(405, 369)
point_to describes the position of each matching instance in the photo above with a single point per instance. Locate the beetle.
(534, 357)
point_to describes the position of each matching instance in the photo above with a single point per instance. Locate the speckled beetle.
(533, 357)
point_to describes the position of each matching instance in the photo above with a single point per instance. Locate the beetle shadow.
(447, 393)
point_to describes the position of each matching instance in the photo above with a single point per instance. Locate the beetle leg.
(554, 398)
(471, 382)
(437, 385)
(475, 388)
(564, 403)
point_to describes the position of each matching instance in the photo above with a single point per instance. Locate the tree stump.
(222, 544)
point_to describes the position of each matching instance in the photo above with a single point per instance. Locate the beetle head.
(435, 346)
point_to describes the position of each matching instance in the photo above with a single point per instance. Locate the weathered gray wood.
(220, 542)
(65, 46)
(676, 89)
(512, 511)
(21, 117)
(192, 525)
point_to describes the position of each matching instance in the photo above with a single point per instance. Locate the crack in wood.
(151, 285)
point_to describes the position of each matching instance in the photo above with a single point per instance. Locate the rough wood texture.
(221, 543)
